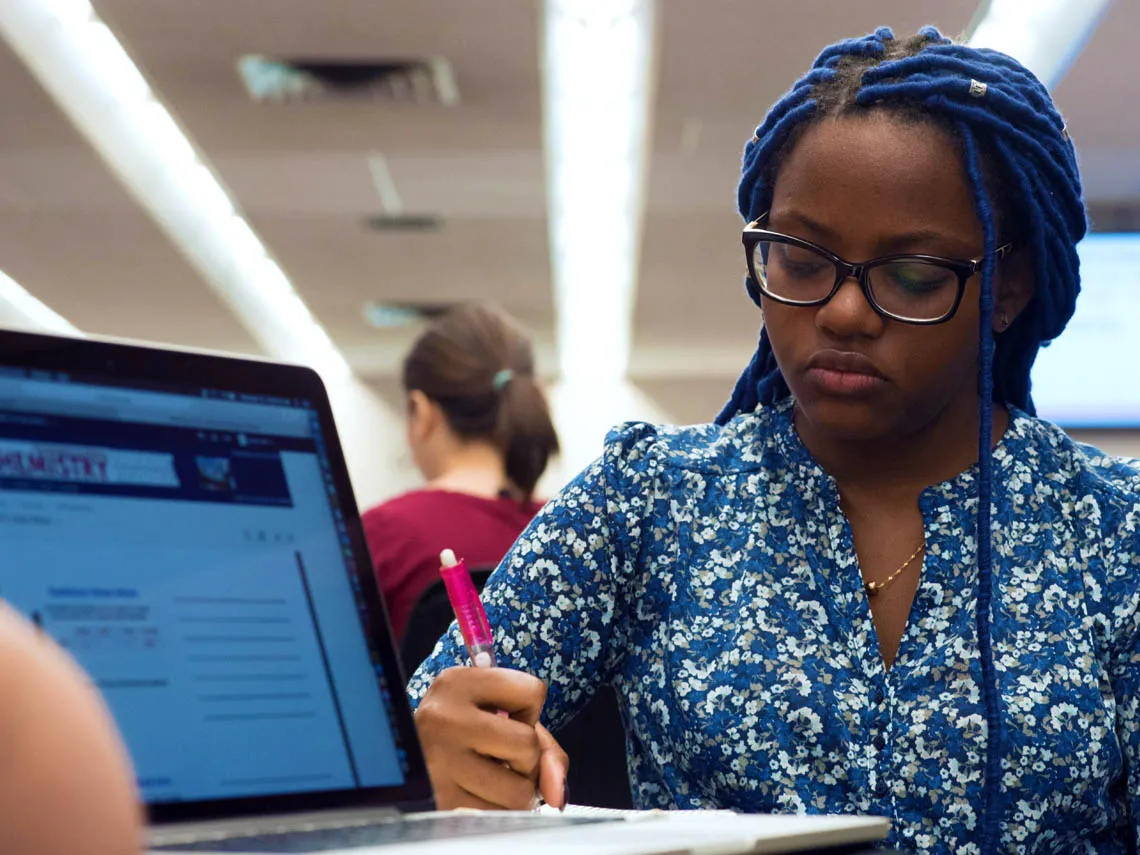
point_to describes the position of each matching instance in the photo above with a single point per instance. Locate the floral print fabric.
(709, 574)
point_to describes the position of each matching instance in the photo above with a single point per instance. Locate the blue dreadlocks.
(1019, 158)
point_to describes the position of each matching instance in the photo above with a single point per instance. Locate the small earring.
(1003, 321)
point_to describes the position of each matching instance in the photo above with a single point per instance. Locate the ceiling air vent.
(393, 216)
(402, 223)
(413, 81)
(392, 315)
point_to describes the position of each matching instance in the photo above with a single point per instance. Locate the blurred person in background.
(480, 431)
(65, 781)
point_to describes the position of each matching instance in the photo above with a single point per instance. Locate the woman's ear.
(1014, 288)
(423, 416)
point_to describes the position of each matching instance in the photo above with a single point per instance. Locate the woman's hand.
(479, 759)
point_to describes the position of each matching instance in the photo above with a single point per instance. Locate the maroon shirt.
(407, 533)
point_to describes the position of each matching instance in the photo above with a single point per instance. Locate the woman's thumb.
(552, 768)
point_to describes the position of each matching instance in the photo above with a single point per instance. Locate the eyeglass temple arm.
(755, 224)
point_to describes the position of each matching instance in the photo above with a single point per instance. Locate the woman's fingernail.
(565, 795)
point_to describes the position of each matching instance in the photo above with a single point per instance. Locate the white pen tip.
(447, 558)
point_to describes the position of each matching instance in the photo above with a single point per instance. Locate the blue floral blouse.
(709, 574)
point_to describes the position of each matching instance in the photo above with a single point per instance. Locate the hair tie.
(502, 378)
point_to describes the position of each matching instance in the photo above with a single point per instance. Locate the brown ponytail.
(478, 367)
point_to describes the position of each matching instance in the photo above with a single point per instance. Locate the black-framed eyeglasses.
(914, 289)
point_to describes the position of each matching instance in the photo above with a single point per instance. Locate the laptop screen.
(188, 547)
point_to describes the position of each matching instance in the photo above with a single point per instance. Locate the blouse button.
(879, 742)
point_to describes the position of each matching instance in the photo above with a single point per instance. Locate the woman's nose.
(849, 313)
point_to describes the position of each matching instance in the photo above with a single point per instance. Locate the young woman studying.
(878, 584)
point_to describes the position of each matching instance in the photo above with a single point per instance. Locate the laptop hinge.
(220, 829)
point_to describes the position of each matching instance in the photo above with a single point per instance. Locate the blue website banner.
(129, 459)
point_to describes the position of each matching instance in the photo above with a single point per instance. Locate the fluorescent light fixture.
(1043, 35)
(597, 89)
(154, 123)
(35, 313)
(584, 413)
(71, 12)
(81, 63)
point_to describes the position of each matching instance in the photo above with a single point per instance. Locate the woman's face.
(864, 187)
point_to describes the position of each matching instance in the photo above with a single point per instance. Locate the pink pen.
(471, 617)
(468, 610)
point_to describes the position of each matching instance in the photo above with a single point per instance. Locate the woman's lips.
(837, 372)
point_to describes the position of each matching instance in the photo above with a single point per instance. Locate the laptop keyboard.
(407, 830)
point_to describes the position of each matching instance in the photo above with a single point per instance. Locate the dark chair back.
(430, 618)
(594, 739)
(595, 742)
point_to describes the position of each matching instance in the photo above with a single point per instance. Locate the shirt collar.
(961, 488)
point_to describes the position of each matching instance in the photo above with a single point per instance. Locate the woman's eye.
(797, 261)
(918, 278)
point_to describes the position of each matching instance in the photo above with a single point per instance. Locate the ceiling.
(73, 237)
(299, 171)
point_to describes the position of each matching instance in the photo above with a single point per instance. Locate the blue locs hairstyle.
(1023, 173)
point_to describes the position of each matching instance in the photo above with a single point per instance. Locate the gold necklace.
(875, 588)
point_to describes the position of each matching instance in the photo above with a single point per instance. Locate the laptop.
(183, 524)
